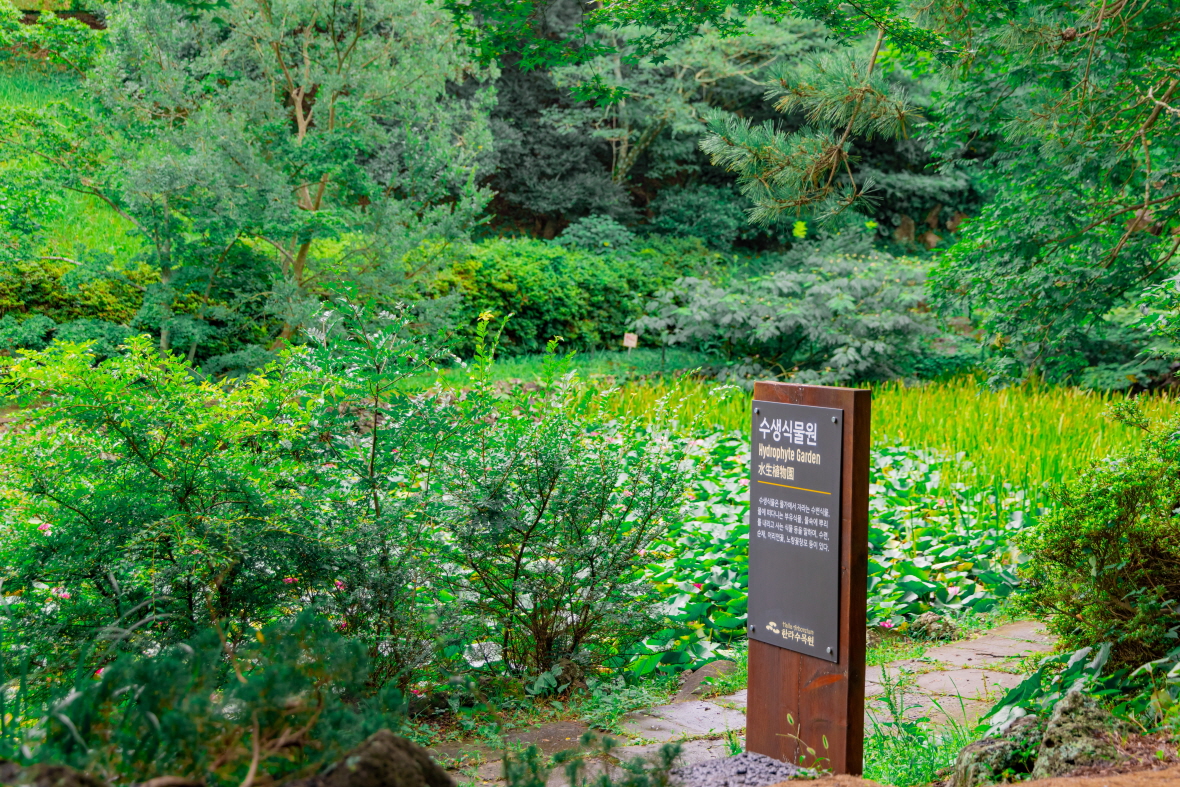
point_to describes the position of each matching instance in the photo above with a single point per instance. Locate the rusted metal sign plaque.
(795, 468)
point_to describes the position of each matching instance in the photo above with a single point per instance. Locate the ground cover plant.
(931, 548)
(902, 748)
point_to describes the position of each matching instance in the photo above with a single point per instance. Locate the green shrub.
(1104, 563)
(825, 318)
(496, 530)
(142, 483)
(600, 234)
(715, 215)
(43, 299)
(550, 513)
(230, 503)
(38, 331)
(587, 298)
(67, 44)
(294, 694)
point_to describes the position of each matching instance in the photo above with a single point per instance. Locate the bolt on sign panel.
(795, 468)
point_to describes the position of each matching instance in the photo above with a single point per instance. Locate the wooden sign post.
(809, 504)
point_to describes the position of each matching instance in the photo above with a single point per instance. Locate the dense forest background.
(165, 173)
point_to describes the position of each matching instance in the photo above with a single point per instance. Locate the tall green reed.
(1026, 436)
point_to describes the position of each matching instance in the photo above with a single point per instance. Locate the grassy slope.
(81, 220)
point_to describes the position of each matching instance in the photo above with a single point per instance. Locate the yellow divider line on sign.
(784, 486)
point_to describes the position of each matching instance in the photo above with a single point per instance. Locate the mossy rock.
(1079, 733)
(999, 758)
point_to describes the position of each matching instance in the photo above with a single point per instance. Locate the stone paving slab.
(939, 710)
(471, 751)
(736, 700)
(691, 752)
(666, 722)
(488, 773)
(1025, 631)
(967, 683)
(642, 724)
(873, 674)
(1010, 641)
(694, 684)
(966, 713)
(550, 738)
(985, 651)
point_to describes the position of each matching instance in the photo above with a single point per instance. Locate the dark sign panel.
(795, 466)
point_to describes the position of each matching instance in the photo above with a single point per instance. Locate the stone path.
(958, 682)
(961, 681)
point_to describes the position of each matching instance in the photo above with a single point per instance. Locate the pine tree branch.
(856, 109)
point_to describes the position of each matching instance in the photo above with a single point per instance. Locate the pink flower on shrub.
(339, 585)
(886, 624)
(98, 673)
(290, 580)
(60, 593)
(43, 527)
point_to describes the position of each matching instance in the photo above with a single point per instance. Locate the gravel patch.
(741, 770)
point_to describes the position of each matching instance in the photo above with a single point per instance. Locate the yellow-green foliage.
(42, 5)
(1026, 436)
(28, 87)
(39, 286)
